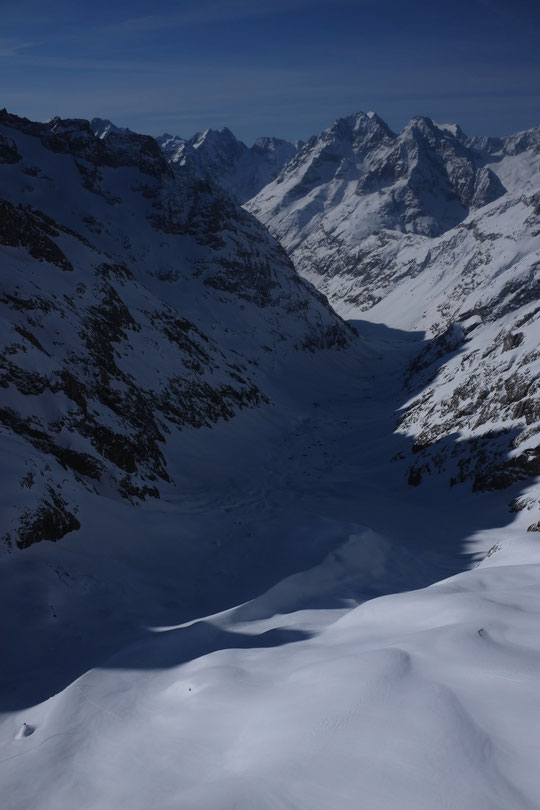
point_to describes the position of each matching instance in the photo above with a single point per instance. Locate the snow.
(102, 127)
(291, 625)
(219, 157)
(298, 688)
(422, 699)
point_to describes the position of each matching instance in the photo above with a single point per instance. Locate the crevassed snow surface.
(188, 670)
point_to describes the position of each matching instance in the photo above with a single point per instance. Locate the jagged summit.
(361, 129)
(224, 160)
(268, 144)
(170, 144)
(358, 177)
(453, 129)
(214, 136)
(101, 127)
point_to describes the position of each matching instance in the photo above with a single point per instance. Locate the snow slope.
(420, 700)
(304, 694)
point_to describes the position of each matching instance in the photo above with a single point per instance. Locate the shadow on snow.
(327, 478)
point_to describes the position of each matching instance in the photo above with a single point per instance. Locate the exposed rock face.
(8, 151)
(172, 307)
(49, 521)
(31, 230)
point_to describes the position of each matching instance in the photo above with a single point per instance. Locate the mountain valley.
(270, 511)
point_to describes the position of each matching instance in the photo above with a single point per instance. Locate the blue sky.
(280, 67)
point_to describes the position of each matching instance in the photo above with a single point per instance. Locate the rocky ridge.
(218, 156)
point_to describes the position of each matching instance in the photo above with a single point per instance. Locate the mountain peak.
(362, 130)
(214, 137)
(269, 142)
(453, 129)
(421, 123)
(221, 158)
(101, 127)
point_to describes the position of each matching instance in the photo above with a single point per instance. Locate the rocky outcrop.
(31, 230)
(50, 520)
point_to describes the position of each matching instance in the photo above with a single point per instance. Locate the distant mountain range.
(217, 156)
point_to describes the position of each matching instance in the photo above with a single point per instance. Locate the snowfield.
(418, 700)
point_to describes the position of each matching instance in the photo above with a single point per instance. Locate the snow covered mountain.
(250, 499)
(225, 161)
(358, 186)
(101, 127)
(435, 231)
(134, 302)
(219, 157)
(359, 178)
